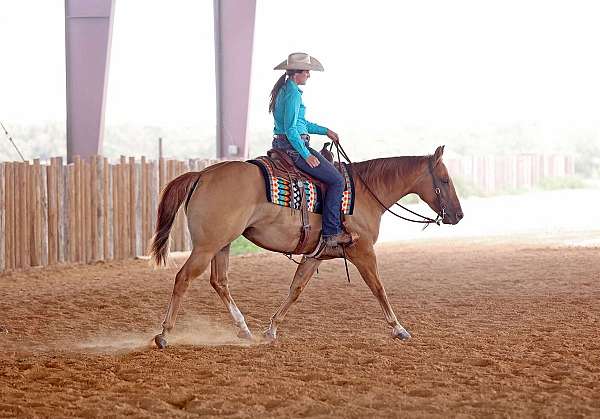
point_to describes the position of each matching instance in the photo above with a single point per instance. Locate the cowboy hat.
(300, 61)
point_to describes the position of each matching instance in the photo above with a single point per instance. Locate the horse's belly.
(278, 228)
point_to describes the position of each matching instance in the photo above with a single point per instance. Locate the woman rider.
(291, 134)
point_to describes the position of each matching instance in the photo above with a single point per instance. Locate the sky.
(388, 64)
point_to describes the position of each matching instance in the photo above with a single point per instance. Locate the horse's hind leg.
(218, 280)
(193, 267)
(305, 271)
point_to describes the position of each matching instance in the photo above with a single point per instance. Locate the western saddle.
(284, 167)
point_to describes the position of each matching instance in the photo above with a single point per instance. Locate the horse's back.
(229, 184)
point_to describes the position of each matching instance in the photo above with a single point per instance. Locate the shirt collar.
(293, 85)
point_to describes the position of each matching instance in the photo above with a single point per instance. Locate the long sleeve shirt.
(289, 117)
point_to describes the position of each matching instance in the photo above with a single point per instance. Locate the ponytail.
(277, 87)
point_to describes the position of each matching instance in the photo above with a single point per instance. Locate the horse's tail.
(171, 199)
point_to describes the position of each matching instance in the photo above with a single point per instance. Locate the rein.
(425, 220)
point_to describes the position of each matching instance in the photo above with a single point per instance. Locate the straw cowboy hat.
(300, 61)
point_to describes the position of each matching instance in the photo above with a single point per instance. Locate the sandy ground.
(501, 328)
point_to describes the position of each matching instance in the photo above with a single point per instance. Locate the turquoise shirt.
(289, 117)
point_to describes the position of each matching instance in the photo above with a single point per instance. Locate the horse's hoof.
(269, 335)
(245, 334)
(161, 342)
(401, 334)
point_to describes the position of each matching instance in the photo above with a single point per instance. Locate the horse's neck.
(391, 178)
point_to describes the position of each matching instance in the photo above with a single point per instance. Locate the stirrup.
(332, 241)
(322, 245)
(318, 250)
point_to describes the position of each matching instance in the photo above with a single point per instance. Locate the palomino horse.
(228, 199)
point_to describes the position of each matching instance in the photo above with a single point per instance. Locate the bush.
(410, 199)
(568, 182)
(466, 188)
(242, 246)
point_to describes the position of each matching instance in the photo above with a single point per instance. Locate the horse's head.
(436, 188)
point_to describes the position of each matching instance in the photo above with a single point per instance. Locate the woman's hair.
(278, 85)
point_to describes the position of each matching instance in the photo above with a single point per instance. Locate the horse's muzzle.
(454, 218)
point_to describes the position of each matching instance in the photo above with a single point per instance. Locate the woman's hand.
(312, 161)
(333, 136)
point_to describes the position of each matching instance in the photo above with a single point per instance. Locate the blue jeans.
(328, 174)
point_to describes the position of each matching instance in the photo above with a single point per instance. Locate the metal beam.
(88, 32)
(234, 36)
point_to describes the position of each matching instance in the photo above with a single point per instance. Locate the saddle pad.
(280, 192)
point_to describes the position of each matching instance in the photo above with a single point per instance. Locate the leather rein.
(425, 220)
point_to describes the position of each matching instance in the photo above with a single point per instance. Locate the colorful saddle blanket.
(281, 192)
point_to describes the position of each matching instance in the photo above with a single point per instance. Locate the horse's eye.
(446, 180)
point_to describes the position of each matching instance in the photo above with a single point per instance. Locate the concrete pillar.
(234, 35)
(88, 30)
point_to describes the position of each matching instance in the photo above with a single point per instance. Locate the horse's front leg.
(363, 257)
(305, 271)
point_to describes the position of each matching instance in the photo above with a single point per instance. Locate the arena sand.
(500, 329)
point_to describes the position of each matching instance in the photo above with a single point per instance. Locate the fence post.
(132, 208)
(144, 204)
(35, 246)
(17, 214)
(116, 210)
(2, 222)
(25, 230)
(106, 244)
(90, 240)
(52, 214)
(124, 207)
(93, 214)
(80, 208)
(8, 216)
(32, 219)
(139, 193)
(72, 214)
(60, 208)
(99, 207)
(44, 214)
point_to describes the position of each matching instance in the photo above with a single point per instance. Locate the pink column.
(234, 34)
(88, 30)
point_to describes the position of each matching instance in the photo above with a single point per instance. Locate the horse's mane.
(384, 171)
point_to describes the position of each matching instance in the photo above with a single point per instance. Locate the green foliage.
(569, 182)
(410, 199)
(587, 157)
(242, 246)
(466, 188)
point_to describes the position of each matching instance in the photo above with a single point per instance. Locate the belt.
(305, 137)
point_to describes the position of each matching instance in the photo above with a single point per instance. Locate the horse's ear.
(438, 154)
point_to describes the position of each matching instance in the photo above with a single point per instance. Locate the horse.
(228, 199)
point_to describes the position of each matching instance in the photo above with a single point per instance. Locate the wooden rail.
(501, 173)
(92, 209)
(85, 211)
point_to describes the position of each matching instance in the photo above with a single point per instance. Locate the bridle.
(436, 189)
(438, 192)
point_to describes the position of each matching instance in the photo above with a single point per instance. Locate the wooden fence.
(92, 210)
(85, 211)
(502, 173)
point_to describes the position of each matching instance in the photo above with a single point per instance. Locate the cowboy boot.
(342, 238)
